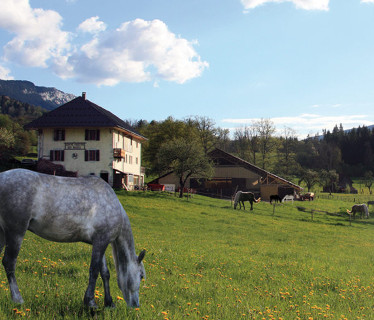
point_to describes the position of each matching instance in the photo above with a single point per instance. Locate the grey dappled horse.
(359, 208)
(69, 210)
(241, 196)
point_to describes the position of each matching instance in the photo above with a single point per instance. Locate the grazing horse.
(65, 209)
(275, 197)
(361, 208)
(241, 196)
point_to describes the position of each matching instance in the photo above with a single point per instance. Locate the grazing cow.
(359, 208)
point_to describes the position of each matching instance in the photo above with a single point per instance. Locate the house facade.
(89, 140)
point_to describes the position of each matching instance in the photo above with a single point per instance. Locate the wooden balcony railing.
(118, 153)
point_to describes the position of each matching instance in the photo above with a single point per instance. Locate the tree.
(310, 177)
(328, 180)
(265, 129)
(186, 159)
(368, 178)
(206, 131)
(286, 151)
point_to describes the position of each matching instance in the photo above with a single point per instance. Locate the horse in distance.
(276, 198)
(241, 196)
(62, 209)
(362, 209)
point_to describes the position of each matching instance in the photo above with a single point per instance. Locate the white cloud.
(367, 1)
(308, 123)
(137, 51)
(92, 25)
(300, 4)
(38, 35)
(5, 73)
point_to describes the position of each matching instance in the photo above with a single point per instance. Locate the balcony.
(118, 153)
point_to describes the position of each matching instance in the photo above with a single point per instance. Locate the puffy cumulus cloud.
(137, 51)
(301, 4)
(92, 25)
(38, 35)
(5, 73)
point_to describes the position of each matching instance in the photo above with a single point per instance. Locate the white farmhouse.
(87, 139)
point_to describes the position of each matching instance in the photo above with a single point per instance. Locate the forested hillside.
(14, 140)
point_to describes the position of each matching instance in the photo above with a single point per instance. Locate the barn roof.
(221, 158)
(81, 112)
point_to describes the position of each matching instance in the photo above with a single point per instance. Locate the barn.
(231, 174)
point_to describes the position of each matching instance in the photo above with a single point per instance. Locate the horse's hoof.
(90, 304)
(110, 305)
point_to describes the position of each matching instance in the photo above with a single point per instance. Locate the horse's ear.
(141, 256)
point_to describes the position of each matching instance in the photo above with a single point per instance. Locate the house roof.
(81, 112)
(217, 154)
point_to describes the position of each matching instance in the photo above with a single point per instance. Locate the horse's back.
(58, 208)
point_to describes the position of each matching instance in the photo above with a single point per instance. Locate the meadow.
(206, 260)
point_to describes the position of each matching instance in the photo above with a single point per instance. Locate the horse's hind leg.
(13, 244)
(105, 275)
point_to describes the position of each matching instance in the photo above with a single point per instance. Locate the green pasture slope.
(207, 261)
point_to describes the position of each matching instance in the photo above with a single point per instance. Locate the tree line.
(330, 160)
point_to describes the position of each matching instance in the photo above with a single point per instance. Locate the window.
(130, 159)
(136, 160)
(59, 135)
(92, 155)
(92, 135)
(56, 155)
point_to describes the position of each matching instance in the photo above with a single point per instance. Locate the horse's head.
(131, 281)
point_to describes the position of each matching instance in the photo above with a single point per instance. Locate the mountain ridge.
(25, 91)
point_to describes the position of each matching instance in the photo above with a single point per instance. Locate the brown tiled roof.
(80, 112)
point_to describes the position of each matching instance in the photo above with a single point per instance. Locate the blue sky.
(304, 64)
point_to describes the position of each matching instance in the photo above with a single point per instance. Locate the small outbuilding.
(232, 174)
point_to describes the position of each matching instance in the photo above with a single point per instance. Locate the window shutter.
(62, 155)
(98, 134)
(55, 135)
(63, 135)
(86, 136)
(51, 155)
(97, 155)
(86, 155)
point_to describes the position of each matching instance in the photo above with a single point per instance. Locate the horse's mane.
(237, 197)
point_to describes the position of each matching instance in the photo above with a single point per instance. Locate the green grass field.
(207, 261)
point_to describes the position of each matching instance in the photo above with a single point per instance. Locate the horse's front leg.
(13, 242)
(251, 202)
(98, 250)
(105, 275)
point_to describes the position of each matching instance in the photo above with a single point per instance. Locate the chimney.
(84, 95)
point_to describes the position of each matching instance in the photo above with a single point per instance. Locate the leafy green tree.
(329, 180)
(310, 177)
(186, 159)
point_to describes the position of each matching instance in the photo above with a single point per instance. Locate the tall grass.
(207, 261)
